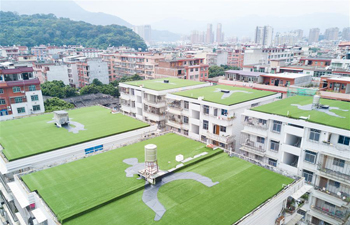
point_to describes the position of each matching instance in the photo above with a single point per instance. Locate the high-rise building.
(314, 35)
(346, 34)
(299, 34)
(263, 35)
(145, 32)
(331, 33)
(210, 35)
(219, 37)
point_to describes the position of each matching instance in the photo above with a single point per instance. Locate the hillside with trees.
(48, 29)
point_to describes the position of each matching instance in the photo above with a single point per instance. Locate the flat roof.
(214, 94)
(287, 75)
(159, 85)
(34, 135)
(245, 73)
(96, 190)
(337, 116)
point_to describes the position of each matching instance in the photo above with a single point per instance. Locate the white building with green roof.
(309, 137)
(145, 99)
(212, 114)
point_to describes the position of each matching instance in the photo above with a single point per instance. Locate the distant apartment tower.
(299, 34)
(144, 31)
(209, 35)
(331, 33)
(263, 35)
(346, 34)
(314, 35)
(219, 34)
(197, 37)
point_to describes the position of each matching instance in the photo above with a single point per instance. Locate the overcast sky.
(149, 11)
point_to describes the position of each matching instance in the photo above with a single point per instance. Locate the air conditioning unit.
(22, 92)
(9, 107)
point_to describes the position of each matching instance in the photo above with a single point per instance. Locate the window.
(339, 162)
(34, 97)
(222, 129)
(274, 146)
(36, 107)
(334, 183)
(186, 104)
(224, 112)
(205, 109)
(215, 112)
(2, 102)
(343, 140)
(272, 162)
(185, 119)
(277, 126)
(32, 88)
(191, 70)
(16, 89)
(260, 140)
(314, 135)
(21, 110)
(308, 176)
(196, 69)
(263, 122)
(205, 124)
(310, 156)
(186, 132)
(18, 99)
(259, 158)
(1, 91)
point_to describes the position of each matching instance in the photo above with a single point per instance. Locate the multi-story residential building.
(308, 137)
(319, 62)
(40, 52)
(346, 34)
(91, 52)
(254, 56)
(209, 35)
(145, 99)
(264, 35)
(11, 53)
(331, 34)
(131, 63)
(184, 68)
(219, 33)
(213, 114)
(20, 93)
(50, 72)
(340, 67)
(90, 69)
(314, 34)
(335, 84)
(235, 58)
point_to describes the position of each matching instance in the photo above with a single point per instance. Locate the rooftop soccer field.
(99, 183)
(236, 95)
(159, 85)
(338, 114)
(29, 136)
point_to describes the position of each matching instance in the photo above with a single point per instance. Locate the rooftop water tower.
(316, 101)
(61, 118)
(151, 162)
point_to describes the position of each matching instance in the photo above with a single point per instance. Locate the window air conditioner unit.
(22, 92)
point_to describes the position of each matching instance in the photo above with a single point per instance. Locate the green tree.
(54, 104)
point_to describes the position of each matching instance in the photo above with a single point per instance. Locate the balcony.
(223, 139)
(255, 122)
(339, 193)
(334, 168)
(333, 212)
(155, 103)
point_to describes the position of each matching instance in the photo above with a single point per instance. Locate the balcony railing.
(335, 213)
(335, 192)
(255, 146)
(336, 173)
(222, 139)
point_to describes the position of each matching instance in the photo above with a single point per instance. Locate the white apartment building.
(213, 114)
(305, 137)
(264, 56)
(145, 99)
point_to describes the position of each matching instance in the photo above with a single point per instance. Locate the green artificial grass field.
(75, 187)
(282, 107)
(243, 186)
(24, 137)
(159, 85)
(213, 94)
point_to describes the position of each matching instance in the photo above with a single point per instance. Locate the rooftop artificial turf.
(25, 137)
(284, 106)
(80, 185)
(159, 85)
(214, 94)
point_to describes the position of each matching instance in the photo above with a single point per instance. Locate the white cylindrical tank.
(150, 153)
(316, 101)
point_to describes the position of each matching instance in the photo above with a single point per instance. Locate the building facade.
(20, 93)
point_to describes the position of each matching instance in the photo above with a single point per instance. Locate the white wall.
(58, 72)
(98, 70)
